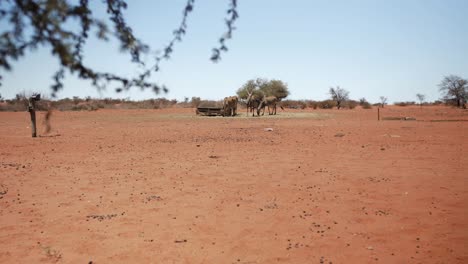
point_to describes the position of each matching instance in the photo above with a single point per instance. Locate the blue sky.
(372, 48)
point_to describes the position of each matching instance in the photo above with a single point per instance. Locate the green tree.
(251, 86)
(276, 88)
(264, 87)
(30, 24)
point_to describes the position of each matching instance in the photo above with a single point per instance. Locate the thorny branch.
(43, 23)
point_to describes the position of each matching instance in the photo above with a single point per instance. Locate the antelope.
(253, 101)
(269, 101)
(230, 106)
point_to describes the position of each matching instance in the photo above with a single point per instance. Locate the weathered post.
(378, 113)
(32, 112)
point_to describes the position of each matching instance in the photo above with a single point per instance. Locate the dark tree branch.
(167, 50)
(43, 23)
(232, 17)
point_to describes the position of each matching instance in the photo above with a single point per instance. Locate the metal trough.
(210, 111)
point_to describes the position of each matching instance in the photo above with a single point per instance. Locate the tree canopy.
(383, 101)
(421, 98)
(29, 25)
(455, 89)
(264, 87)
(339, 95)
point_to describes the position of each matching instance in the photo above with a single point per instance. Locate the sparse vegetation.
(383, 101)
(52, 254)
(294, 104)
(351, 104)
(339, 95)
(312, 104)
(195, 102)
(421, 98)
(327, 104)
(263, 87)
(455, 90)
(405, 103)
(367, 106)
(364, 103)
(87, 104)
(19, 103)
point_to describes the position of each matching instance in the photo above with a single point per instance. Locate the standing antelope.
(269, 101)
(230, 106)
(253, 101)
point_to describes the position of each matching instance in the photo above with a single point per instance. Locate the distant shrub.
(97, 105)
(76, 100)
(164, 103)
(65, 104)
(454, 102)
(82, 107)
(351, 104)
(366, 105)
(195, 102)
(327, 104)
(405, 103)
(294, 104)
(20, 103)
(12, 107)
(111, 101)
(312, 104)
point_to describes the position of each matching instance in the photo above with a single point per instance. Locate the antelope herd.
(254, 103)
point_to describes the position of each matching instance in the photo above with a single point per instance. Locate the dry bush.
(195, 102)
(366, 105)
(13, 106)
(327, 104)
(454, 103)
(294, 104)
(75, 105)
(109, 103)
(312, 104)
(436, 102)
(66, 104)
(88, 104)
(351, 104)
(160, 103)
(405, 103)
(20, 103)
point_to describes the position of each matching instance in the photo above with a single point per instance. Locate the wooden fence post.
(378, 113)
(32, 113)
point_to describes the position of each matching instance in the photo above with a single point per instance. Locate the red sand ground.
(165, 186)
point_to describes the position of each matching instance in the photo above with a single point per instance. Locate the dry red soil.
(166, 186)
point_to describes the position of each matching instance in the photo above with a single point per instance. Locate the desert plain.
(304, 186)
